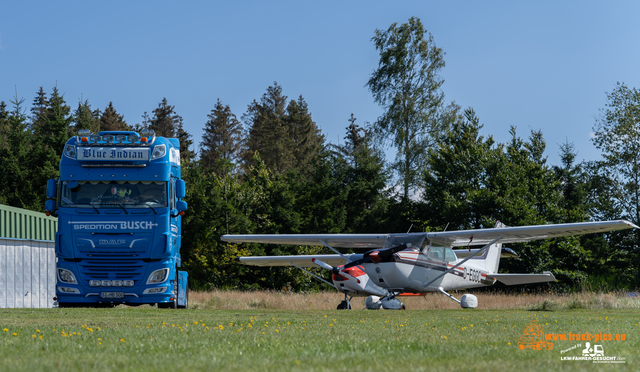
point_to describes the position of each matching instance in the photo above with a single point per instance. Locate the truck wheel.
(177, 286)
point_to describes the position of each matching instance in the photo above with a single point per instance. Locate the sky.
(543, 65)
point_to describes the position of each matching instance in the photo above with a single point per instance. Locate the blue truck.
(119, 205)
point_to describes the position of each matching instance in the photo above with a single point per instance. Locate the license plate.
(112, 295)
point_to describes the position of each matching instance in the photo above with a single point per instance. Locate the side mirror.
(50, 205)
(51, 188)
(181, 205)
(180, 190)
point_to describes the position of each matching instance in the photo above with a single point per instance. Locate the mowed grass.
(258, 339)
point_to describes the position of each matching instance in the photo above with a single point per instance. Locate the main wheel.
(344, 305)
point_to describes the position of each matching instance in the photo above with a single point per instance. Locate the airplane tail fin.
(492, 258)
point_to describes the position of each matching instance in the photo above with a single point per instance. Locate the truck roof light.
(133, 138)
(146, 132)
(84, 139)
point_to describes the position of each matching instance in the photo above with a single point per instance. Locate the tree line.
(272, 171)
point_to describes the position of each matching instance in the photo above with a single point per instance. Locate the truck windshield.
(114, 194)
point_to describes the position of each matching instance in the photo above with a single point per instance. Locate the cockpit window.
(442, 254)
(118, 194)
(416, 241)
(449, 256)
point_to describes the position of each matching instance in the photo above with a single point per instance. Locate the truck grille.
(122, 269)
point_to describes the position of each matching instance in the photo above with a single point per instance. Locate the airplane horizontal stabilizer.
(515, 279)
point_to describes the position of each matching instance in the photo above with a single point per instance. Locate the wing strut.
(312, 274)
(333, 249)
(465, 260)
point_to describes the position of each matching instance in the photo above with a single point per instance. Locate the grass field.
(258, 336)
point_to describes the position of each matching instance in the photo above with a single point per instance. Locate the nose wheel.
(346, 303)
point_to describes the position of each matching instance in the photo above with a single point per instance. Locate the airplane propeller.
(325, 265)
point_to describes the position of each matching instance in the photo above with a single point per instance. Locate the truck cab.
(119, 208)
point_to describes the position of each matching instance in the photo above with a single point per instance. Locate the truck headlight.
(158, 152)
(70, 151)
(66, 276)
(158, 276)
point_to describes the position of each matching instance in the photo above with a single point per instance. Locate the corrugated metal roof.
(20, 223)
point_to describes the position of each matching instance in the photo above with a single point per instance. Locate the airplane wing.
(334, 240)
(301, 260)
(515, 279)
(521, 234)
(460, 238)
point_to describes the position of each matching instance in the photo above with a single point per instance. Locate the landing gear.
(346, 303)
(389, 302)
(468, 301)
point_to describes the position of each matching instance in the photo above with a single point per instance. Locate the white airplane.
(418, 263)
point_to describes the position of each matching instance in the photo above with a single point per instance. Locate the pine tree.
(364, 179)
(186, 142)
(38, 109)
(268, 133)
(165, 120)
(167, 123)
(285, 135)
(307, 138)
(222, 139)
(20, 184)
(110, 120)
(4, 124)
(85, 118)
(51, 123)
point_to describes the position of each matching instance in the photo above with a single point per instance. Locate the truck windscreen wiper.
(91, 204)
(94, 207)
(119, 205)
(154, 211)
